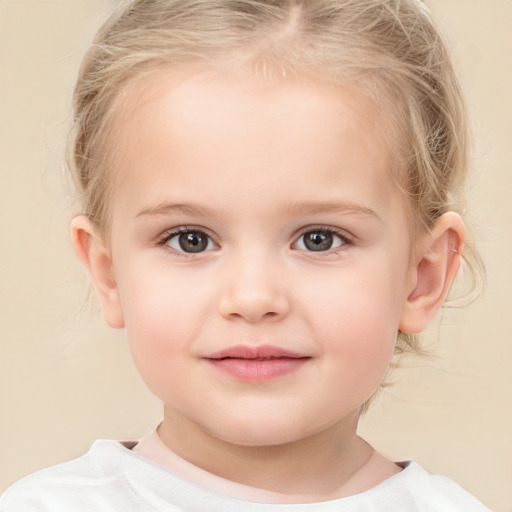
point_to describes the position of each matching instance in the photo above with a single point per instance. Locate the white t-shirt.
(113, 478)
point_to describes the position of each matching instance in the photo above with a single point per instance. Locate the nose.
(254, 291)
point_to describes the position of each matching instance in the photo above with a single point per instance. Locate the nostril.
(253, 295)
(252, 309)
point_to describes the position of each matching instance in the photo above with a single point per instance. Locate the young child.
(270, 192)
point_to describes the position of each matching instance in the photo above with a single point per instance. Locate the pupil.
(318, 241)
(193, 242)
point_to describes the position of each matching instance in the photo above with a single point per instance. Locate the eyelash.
(169, 235)
(345, 238)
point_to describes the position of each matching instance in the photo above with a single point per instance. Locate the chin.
(260, 432)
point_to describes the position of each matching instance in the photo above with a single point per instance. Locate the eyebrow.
(299, 208)
(339, 207)
(168, 208)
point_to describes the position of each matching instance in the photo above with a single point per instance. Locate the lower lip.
(258, 370)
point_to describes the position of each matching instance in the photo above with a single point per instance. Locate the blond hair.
(390, 49)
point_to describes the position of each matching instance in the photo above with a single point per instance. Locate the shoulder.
(95, 481)
(427, 492)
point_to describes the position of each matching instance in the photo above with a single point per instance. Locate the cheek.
(162, 302)
(365, 343)
(358, 319)
(163, 316)
(357, 302)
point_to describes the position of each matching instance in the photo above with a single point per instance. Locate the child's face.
(261, 254)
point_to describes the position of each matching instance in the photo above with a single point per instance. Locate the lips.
(256, 364)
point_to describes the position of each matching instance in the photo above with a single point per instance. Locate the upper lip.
(255, 352)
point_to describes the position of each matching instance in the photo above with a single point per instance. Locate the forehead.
(190, 94)
(185, 129)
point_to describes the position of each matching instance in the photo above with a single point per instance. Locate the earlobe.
(435, 265)
(96, 258)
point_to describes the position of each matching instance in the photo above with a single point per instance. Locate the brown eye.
(319, 240)
(190, 242)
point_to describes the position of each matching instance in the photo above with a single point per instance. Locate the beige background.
(66, 379)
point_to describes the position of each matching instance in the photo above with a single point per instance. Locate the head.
(386, 56)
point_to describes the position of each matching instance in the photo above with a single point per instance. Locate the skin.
(253, 168)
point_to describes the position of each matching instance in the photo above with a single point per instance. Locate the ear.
(435, 264)
(94, 255)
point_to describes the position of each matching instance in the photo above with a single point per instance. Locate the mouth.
(256, 364)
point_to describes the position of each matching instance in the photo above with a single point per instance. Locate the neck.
(328, 465)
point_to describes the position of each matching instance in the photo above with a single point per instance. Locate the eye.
(319, 240)
(189, 241)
